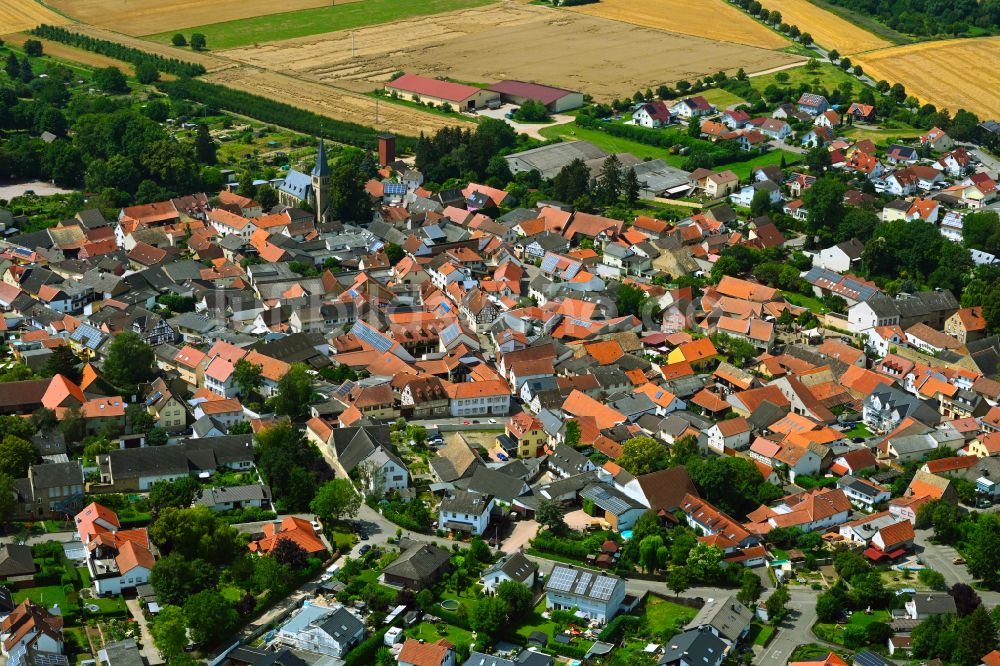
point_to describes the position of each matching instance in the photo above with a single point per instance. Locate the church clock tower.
(321, 182)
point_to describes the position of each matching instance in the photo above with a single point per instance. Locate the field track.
(18, 15)
(143, 17)
(827, 29)
(711, 19)
(953, 74)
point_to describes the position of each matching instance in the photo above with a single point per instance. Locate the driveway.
(578, 520)
(531, 129)
(524, 531)
(148, 650)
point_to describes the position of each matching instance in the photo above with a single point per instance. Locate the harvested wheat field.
(210, 62)
(712, 19)
(827, 29)
(18, 15)
(143, 17)
(953, 74)
(74, 55)
(504, 41)
(335, 103)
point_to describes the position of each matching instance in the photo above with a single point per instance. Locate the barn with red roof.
(425, 89)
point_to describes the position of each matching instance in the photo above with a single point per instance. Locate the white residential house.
(653, 114)
(331, 632)
(116, 559)
(883, 338)
(464, 511)
(841, 257)
(513, 567)
(595, 594)
(744, 197)
(863, 494)
(729, 434)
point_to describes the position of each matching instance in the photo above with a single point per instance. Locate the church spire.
(322, 168)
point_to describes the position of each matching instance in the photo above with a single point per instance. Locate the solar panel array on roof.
(549, 263)
(603, 587)
(571, 271)
(561, 579)
(394, 188)
(605, 499)
(583, 582)
(370, 336)
(450, 333)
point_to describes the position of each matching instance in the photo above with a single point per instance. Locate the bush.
(365, 652)
(619, 627)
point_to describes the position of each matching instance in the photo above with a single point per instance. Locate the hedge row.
(117, 51)
(367, 649)
(279, 113)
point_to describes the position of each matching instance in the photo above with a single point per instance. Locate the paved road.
(939, 557)
(795, 630)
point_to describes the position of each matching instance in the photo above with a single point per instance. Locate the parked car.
(364, 549)
(958, 560)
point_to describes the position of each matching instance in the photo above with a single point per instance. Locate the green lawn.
(663, 617)
(760, 634)
(432, 632)
(722, 98)
(612, 144)
(773, 157)
(825, 74)
(47, 596)
(535, 622)
(273, 27)
(834, 633)
(804, 301)
(859, 430)
(882, 136)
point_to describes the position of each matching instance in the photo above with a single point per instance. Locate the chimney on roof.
(386, 149)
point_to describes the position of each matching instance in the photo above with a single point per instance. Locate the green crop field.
(273, 27)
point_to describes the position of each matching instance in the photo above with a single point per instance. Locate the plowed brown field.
(954, 74)
(712, 19)
(508, 40)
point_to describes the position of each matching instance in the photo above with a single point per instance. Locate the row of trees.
(272, 111)
(455, 153)
(118, 51)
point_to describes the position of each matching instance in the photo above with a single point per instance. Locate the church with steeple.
(312, 189)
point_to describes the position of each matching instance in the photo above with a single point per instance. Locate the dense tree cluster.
(452, 152)
(930, 17)
(292, 467)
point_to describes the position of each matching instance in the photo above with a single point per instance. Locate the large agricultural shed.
(424, 89)
(556, 100)
(548, 160)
